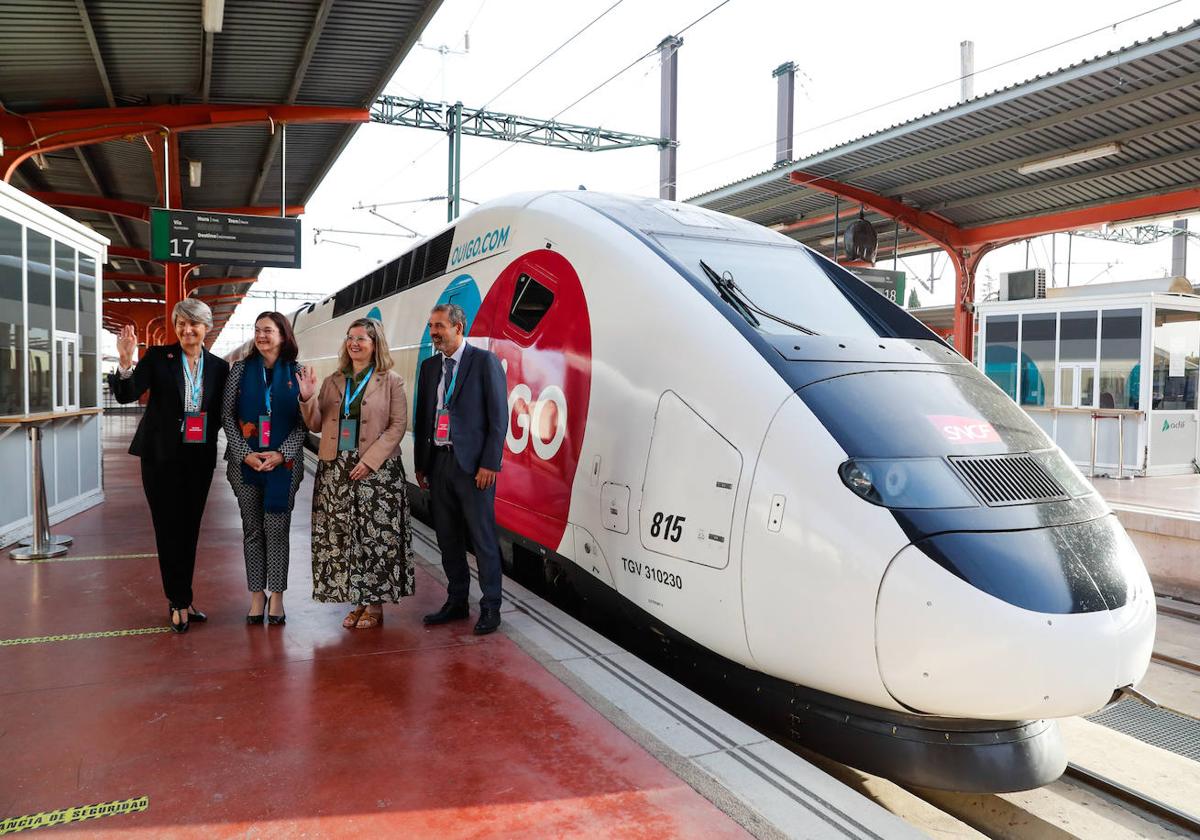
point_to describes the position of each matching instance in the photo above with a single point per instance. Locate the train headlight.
(906, 483)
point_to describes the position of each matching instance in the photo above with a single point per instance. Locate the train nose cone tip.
(1015, 625)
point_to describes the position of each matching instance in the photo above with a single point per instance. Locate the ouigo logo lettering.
(547, 364)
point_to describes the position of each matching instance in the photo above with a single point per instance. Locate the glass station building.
(1081, 358)
(49, 359)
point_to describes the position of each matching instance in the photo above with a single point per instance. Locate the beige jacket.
(381, 423)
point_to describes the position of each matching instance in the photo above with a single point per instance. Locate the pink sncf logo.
(537, 319)
(962, 430)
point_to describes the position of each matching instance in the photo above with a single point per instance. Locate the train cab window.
(782, 287)
(530, 302)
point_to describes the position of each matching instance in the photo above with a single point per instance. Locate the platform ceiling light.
(194, 173)
(1069, 158)
(213, 15)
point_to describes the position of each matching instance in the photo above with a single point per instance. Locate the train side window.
(531, 300)
(389, 279)
(403, 279)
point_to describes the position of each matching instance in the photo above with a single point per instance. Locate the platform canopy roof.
(94, 86)
(1112, 139)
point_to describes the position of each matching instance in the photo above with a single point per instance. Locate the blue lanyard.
(267, 388)
(350, 399)
(197, 382)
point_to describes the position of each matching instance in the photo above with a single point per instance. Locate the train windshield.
(778, 289)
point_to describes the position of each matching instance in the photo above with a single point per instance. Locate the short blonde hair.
(382, 360)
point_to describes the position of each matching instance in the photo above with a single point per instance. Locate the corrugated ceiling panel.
(42, 46)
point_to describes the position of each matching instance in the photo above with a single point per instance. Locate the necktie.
(447, 377)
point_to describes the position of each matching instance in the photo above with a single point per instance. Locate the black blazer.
(478, 411)
(160, 370)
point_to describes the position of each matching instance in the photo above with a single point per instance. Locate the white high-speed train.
(739, 444)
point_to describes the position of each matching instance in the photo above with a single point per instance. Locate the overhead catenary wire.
(549, 55)
(508, 87)
(598, 87)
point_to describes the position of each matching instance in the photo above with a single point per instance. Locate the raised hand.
(308, 383)
(126, 344)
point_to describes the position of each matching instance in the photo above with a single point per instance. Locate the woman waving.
(361, 540)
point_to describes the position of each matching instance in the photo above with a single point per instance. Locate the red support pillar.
(170, 184)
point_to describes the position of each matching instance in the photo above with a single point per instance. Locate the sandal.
(369, 620)
(351, 619)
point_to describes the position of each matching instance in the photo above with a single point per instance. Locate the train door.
(691, 483)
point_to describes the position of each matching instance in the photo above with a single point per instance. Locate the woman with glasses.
(176, 440)
(264, 436)
(361, 541)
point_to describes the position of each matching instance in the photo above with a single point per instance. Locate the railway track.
(1147, 807)
(1188, 612)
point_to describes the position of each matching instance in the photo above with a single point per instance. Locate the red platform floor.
(304, 730)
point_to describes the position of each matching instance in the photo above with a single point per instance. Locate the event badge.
(347, 435)
(264, 430)
(195, 427)
(441, 426)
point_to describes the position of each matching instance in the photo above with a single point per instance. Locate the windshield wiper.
(729, 295)
(732, 294)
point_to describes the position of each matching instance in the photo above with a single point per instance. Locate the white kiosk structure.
(50, 303)
(1109, 372)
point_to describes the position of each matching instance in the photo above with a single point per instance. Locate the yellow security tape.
(70, 637)
(79, 813)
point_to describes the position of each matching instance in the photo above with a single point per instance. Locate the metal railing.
(1120, 418)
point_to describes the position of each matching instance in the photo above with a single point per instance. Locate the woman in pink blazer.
(361, 535)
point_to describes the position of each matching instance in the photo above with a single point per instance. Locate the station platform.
(111, 725)
(1162, 516)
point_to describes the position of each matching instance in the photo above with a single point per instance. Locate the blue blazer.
(478, 411)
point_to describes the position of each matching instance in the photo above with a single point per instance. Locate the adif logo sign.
(963, 430)
(1167, 425)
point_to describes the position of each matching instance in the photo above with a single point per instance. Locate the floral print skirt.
(361, 535)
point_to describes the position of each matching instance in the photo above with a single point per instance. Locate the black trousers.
(176, 491)
(459, 508)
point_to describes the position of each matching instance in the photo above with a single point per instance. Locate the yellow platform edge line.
(70, 637)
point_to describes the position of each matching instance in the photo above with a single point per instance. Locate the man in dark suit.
(459, 429)
(176, 440)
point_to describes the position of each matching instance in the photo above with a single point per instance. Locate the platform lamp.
(194, 173)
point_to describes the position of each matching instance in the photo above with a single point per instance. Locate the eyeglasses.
(266, 331)
(357, 339)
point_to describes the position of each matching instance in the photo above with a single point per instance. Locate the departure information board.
(186, 236)
(890, 284)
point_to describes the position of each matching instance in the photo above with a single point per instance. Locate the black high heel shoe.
(195, 615)
(274, 620)
(182, 626)
(257, 618)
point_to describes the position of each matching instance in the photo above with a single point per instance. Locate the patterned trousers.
(264, 535)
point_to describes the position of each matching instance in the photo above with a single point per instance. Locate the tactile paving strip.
(1157, 727)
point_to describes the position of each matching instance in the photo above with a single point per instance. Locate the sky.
(861, 68)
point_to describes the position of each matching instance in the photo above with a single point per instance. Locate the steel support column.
(668, 50)
(454, 121)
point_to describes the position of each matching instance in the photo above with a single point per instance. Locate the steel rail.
(1149, 807)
